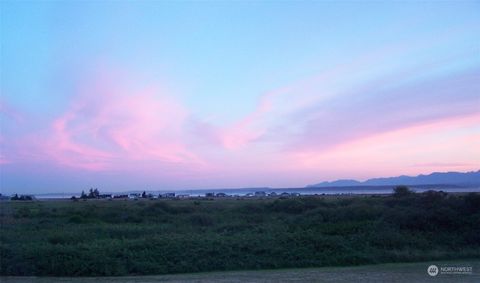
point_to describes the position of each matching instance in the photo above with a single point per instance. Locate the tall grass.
(96, 238)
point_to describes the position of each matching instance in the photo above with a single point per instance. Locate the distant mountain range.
(447, 178)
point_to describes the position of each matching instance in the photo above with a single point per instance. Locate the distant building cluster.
(95, 194)
(172, 195)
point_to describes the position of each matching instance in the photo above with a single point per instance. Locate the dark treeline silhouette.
(21, 197)
(93, 193)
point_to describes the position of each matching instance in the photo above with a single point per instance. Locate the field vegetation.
(126, 237)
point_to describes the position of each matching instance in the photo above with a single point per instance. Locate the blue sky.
(217, 62)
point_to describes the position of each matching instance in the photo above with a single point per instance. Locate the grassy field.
(151, 237)
(397, 272)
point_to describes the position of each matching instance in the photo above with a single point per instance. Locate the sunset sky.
(177, 95)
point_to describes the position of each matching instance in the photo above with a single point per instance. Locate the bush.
(402, 191)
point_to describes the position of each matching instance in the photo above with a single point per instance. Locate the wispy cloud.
(108, 124)
(335, 122)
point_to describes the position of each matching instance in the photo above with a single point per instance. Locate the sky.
(169, 95)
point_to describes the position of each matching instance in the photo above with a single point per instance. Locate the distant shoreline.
(346, 190)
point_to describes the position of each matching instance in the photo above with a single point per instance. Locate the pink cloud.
(108, 126)
(317, 126)
(331, 100)
(66, 151)
(452, 140)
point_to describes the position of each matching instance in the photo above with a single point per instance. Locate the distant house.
(221, 195)
(295, 194)
(272, 194)
(209, 195)
(260, 194)
(134, 196)
(249, 195)
(183, 196)
(167, 195)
